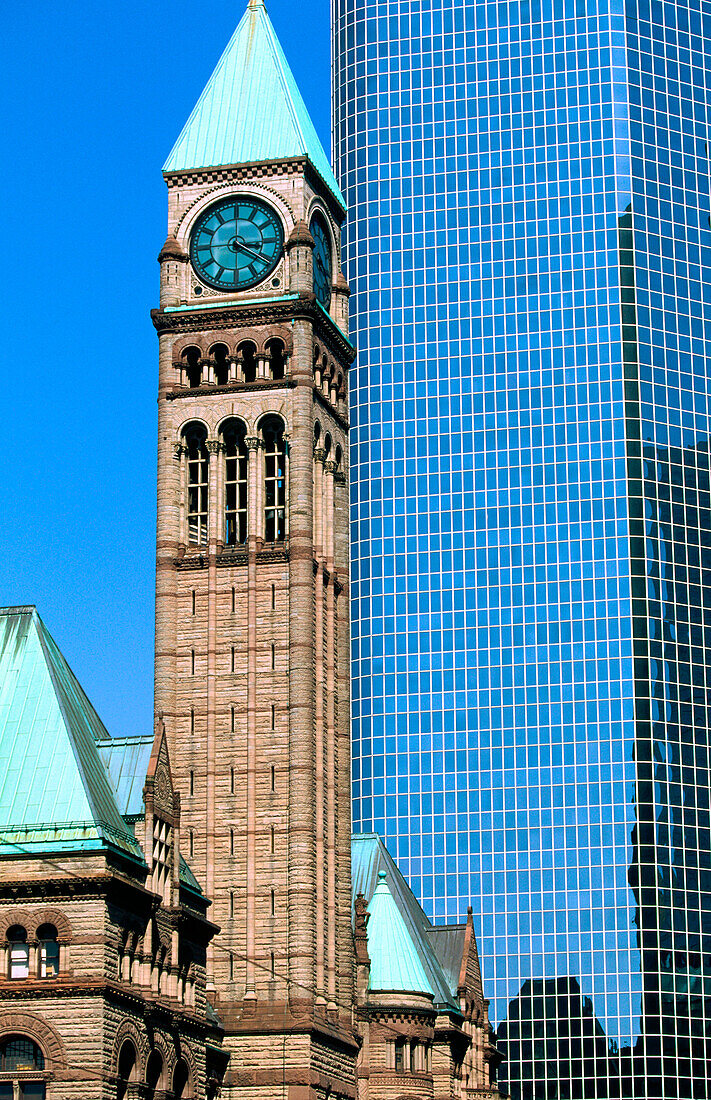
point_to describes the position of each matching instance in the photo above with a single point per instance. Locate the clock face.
(322, 260)
(236, 243)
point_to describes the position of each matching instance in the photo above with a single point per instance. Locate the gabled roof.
(55, 793)
(251, 109)
(369, 858)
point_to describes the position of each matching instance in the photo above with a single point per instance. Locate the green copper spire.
(55, 794)
(251, 109)
(394, 960)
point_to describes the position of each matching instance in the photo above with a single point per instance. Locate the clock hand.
(250, 251)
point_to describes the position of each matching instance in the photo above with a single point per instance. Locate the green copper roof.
(55, 793)
(126, 761)
(394, 961)
(251, 109)
(369, 858)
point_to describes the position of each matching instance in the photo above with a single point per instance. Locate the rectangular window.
(197, 466)
(235, 490)
(20, 960)
(274, 484)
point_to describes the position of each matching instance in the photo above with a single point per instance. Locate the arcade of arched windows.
(159, 1072)
(34, 947)
(232, 364)
(327, 473)
(329, 379)
(235, 488)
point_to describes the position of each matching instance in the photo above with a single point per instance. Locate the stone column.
(302, 861)
(330, 468)
(213, 450)
(319, 779)
(180, 454)
(253, 535)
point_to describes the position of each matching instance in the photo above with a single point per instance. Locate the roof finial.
(254, 4)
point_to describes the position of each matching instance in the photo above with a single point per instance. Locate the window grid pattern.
(198, 473)
(274, 482)
(236, 460)
(528, 249)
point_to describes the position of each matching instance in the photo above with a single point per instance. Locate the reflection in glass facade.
(528, 245)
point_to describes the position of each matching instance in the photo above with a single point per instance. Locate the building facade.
(104, 929)
(528, 246)
(252, 645)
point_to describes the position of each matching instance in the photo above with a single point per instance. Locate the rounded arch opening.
(191, 357)
(182, 1083)
(19, 954)
(273, 433)
(220, 355)
(247, 354)
(277, 358)
(236, 466)
(126, 1068)
(197, 462)
(155, 1076)
(48, 938)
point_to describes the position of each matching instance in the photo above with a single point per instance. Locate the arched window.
(236, 459)
(277, 358)
(191, 365)
(182, 1089)
(19, 952)
(21, 1066)
(154, 1070)
(274, 479)
(247, 353)
(197, 472)
(48, 951)
(220, 354)
(127, 1069)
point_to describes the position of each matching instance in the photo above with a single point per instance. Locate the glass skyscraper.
(528, 246)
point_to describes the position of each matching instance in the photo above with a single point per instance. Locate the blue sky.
(93, 97)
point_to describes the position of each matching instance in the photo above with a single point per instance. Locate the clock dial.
(236, 243)
(322, 260)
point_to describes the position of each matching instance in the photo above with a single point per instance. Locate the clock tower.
(252, 629)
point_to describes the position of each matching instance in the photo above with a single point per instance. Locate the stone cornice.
(243, 173)
(251, 312)
(233, 388)
(142, 1000)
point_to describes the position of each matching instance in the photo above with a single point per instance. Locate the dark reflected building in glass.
(528, 246)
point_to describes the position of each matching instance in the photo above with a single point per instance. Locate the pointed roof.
(394, 961)
(251, 109)
(55, 793)
(370, 857)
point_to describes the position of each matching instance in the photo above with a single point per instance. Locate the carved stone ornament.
(162, 786)
(213, 446)
(252, 442)
(330, 467)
